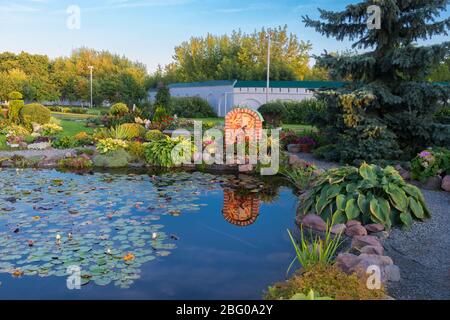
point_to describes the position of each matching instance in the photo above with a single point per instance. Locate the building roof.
(213, 83)
(289, 84)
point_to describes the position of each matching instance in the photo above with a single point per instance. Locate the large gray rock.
(356, 230)
(374, 228)
(338, 229)
(360, 242)
(314, 222)
(446, 183)
(373, 250)
(433, 183)
(294, 148)
(346, 262)
(352, 223)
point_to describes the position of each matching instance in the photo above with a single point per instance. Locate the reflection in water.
(240, 209)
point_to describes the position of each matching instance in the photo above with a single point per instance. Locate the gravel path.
(423, 253)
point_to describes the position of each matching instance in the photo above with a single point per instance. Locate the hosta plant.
(369, 194)
(107, 145)
(169, 152)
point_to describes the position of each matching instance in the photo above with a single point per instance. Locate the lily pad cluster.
(106, 224)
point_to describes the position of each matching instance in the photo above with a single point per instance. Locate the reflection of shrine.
(240, 209)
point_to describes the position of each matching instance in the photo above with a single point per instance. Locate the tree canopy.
(240, 56)
(67, 78)
(386, 112)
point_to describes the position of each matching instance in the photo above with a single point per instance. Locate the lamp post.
(91, 68)
(268, 66)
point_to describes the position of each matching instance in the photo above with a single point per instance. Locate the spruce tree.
(386, 110)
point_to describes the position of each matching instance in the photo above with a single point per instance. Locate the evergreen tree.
(386, 111)
(162, 98)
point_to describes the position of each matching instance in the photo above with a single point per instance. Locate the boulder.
(356, 230)
(374, 228)
(314, 222)
(338, 229)
(294, 148)
(296, 161)
(405, 174)
(346, 262)
(446, 183)
(433, 183)
(391, 273)
(351, 223)
(360, 242)
(373, 250)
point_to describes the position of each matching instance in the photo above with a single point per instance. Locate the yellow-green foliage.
(14, 108)
(155, 135)
(119, 109)
(16, 130)
(50, 129)
(132, 130)
(36, 113)
(137, 150)
(15, 95)
(325, 281)
(107, 145)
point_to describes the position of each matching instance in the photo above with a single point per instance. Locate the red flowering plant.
(161, 125)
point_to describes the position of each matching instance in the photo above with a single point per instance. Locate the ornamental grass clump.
(370, 194)
(315, 250)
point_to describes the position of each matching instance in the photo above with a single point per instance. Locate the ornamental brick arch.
(240, 210)
(243, 120)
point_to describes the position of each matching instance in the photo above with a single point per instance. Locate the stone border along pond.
(414, 263)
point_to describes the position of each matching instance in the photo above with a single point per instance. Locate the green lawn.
(298, 127)
(73, 116)
(72, 127)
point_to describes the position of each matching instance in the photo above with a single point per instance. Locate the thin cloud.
(17, 8)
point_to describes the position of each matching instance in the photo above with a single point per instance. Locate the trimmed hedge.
(292, 112)
(35, 113)
(192, 107)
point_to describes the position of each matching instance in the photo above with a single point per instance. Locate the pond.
(141, 236)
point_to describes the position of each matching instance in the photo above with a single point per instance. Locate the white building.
(223, 95)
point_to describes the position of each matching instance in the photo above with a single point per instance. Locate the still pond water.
(140, 236)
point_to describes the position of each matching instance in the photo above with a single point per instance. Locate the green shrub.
(155, 135)
(65, 143)
(163, 97)
(35, 113)
(159, 152)
(14, 108)
(15, 95)
(273, 113)
(443, 115)
(160, 114)
(119, 109)
(430, 163)
(78, 110)
(302, 112)
(301, 177)
(114, 159)
(131, 130)
(15, 130)
(192, 107)
(369, 194)
(137, 150)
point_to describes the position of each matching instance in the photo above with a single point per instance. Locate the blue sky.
(148, 30)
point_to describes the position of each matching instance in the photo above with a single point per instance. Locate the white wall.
(255, 97)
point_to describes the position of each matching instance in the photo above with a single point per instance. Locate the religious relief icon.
(240, 210)
(243, 121)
